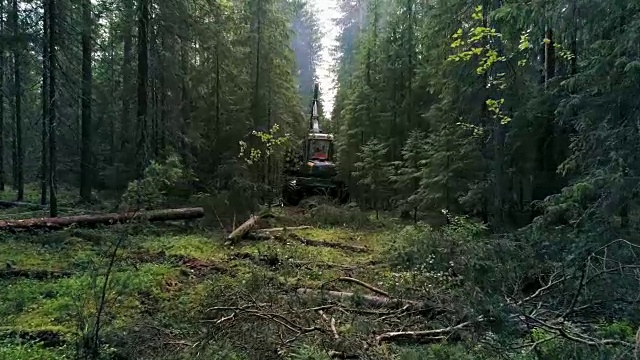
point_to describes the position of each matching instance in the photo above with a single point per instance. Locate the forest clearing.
(318, 281)
(174, 290)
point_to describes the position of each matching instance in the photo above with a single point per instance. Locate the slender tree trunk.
(143, 76)
(125, 115)
(410, 50)
(86, 153)
(574, 38)
(2, 70)
(185, 101)
(256, 86)
(53, 201)
(155, 69)
(163, 103)
(549, 57)
(18, 99)
(44, 181)
(112, 123)
(217, 56)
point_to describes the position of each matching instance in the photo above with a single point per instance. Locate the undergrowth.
(177, 292)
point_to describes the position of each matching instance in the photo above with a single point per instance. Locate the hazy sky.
(327, 11)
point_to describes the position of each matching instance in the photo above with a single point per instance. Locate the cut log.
(101, 219)
(239, 233)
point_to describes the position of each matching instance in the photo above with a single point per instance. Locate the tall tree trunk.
(256, 86)
(162, 123)
(549, 57)
(44, 180)
(217, 56)
(2, 70)
(53, 199)
(112, 123)
(125, 114)
(18, 99)
(143, 75)
(86, 153)
(574, 38)
(185, 108)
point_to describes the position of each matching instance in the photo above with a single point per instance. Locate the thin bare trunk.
(143, 77)
(18, 101)
(44, 181)
(2, 70)
(53, 202)
(86, 153)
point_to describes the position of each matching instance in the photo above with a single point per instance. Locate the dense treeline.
(95, 91)
(523, 115)
(489, 108)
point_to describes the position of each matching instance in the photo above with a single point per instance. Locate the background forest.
(489, 147)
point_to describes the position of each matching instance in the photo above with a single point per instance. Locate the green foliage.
(419, 246)
(329, 215)
(441, 352)
(309, 353)
(269, 143)
(158, 178)
(373, 171)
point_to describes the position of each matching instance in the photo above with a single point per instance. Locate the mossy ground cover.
(163, 274)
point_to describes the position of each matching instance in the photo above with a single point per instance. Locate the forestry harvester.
(314, 172)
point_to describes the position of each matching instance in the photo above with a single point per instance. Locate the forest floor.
(177, 291)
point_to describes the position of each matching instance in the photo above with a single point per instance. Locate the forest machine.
(314, 171)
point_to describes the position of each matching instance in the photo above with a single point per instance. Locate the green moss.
(61, 303)
(15, 351)
(194, 245)
(26, 255)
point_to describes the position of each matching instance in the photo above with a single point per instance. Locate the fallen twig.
(373, 301)
(363, 284)
(280, 229)
(424, 335)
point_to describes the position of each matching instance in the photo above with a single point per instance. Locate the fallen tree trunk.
(101, 219)
(239, 233)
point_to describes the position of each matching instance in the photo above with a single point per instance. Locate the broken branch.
(424, 335)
